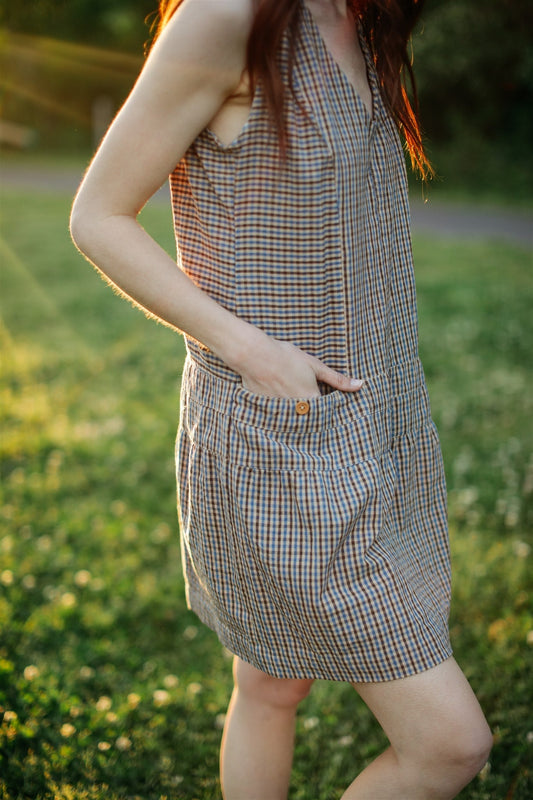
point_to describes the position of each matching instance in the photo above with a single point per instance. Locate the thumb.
(336, 379)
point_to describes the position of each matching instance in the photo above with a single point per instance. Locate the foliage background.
(109, 688)
(474, 63)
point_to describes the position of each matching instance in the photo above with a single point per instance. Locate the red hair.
(387, 25)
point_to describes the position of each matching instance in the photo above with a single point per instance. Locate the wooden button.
(302, 407)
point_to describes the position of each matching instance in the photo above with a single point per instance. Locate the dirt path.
(470, 222)
(432, 218)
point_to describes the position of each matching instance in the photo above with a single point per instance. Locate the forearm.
(131, 260)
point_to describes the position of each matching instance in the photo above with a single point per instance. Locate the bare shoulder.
(195, 65)
(237, 14)
(207, 36)
(227, 22)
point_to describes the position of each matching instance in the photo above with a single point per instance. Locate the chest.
(339, 37)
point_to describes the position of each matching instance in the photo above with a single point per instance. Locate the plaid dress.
(314, 534)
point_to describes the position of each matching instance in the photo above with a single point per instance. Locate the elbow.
(81, 223)
(93, 226)
(87, 225)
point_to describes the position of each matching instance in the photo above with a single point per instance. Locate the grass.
(110, 688)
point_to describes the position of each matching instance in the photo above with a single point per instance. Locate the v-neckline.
(370, 112)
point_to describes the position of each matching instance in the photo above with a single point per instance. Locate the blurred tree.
(473, 59)
(474, 63)
(117, 23)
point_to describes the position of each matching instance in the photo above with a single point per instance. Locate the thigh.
(434, 710)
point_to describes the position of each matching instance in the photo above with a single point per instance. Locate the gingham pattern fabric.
(314, 544)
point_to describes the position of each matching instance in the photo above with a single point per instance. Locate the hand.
(276, 368)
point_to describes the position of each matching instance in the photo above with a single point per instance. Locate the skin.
(186, 84)
(439, 739)
(194, 78)
(339, 33)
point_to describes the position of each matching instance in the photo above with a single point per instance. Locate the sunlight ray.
(59, 61)
(15, 359)
(72, 51)
(46, 102)
(6, 340)
(32, 292)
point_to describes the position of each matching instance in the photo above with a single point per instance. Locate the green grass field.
(110, 688)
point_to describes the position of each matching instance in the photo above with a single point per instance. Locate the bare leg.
(258, 740)
(438, 734)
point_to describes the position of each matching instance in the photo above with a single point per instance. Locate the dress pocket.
(329, 431)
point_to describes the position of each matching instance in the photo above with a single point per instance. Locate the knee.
(277, 692)
(470, 751)
(452, 763)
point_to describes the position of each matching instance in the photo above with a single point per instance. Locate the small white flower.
(28, 581)
(133, 699)
(50, 593)
(345, 741)
(512, 518)
(86, 673)
(82, 578)
(44, 543)
(310, 722)
(31, 672)
(10, 716)
(161, 697)
(220, 721)
(67, 729)
(194, 688)
(111, 717)
(103, 703)
(123, 743)
(521, 549)
(190, 632)
(171, 681)
(68, 600)
(6, 577)
(103, 746)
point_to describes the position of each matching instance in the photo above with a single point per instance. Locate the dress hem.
(236, 645)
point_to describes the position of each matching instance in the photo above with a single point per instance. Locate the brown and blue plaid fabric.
(314, 535)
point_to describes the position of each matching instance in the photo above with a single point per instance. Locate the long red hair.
(387, 25)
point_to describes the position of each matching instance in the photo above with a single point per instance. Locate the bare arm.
(193, 68)
(195, 65)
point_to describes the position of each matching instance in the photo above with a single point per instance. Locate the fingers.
(337, 379)
(284, 370)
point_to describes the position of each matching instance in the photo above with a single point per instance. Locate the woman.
(311, 489)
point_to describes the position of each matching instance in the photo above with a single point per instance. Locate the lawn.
(110, 688)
